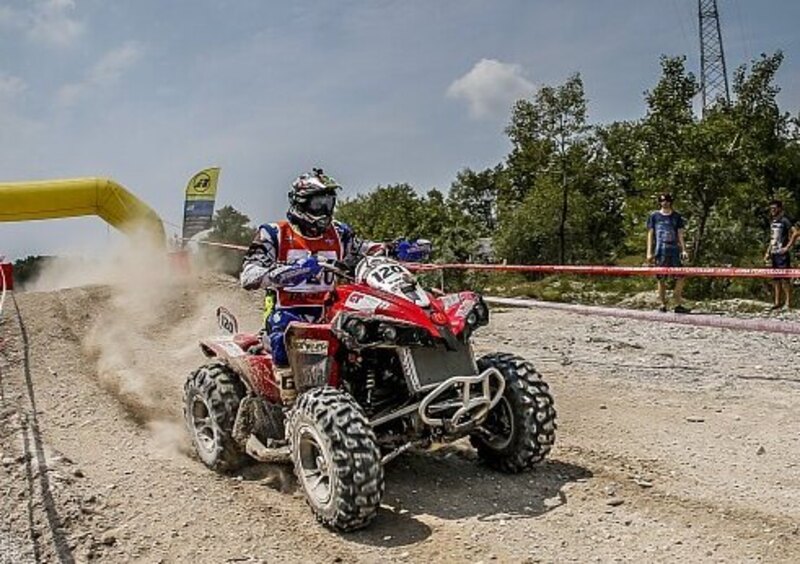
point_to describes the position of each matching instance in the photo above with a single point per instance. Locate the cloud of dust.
(71, 271)
(143, 339)
(169, 437)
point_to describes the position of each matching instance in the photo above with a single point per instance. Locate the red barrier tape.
(223, 245)
(696, 272)
(3, 289)
(763, 325)
(685, 271)
(697, 320)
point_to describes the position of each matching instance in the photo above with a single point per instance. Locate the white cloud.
(490, 87)
(11, 87)
(48, 22)
(103, 74)
(51, 22)
(113, 65)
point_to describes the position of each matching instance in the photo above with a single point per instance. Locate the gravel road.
(675, 444)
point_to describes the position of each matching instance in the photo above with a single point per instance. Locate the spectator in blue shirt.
(777, 255)
(666, 247)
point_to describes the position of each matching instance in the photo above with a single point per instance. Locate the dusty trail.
(667, 448)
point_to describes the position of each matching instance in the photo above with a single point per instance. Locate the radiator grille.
(428, 366)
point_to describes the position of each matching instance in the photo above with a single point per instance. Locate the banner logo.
(198, 209)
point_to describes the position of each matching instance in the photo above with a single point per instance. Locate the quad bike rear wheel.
(520, 430)
(211, 397)
(336, 458)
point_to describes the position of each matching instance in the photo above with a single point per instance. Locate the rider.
(285, 258)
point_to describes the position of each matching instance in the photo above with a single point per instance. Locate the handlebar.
(338, 268)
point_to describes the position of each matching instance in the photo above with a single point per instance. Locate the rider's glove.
(310, 265)
(297, 272)
(412, 251)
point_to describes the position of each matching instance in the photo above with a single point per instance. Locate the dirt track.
(675, 444)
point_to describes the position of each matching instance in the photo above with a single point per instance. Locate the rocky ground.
(675, 444)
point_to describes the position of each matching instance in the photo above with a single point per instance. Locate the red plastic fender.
(256, 369)
(259, 371)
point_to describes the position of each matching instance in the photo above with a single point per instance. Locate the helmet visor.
(320, 205)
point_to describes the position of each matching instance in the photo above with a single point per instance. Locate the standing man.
(777, 254)
(666, 247)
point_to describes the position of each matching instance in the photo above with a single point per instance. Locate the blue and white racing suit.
(284, 262)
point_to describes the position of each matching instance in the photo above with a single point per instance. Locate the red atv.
(389, 368)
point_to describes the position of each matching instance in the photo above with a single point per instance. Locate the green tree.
(617, 155)
(598, 205)
(723, 167)
(766, 142)
(573, 191)
(549, 136)
(476, 195)
(385, 213)
(231, 226)
(394, 211)
(528, 230)
(664, 129)
(26, 270)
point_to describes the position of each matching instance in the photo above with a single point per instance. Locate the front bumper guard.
(474, 398)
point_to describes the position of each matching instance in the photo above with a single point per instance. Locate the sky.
(147, 92)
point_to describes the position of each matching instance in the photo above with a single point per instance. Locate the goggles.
(320, 204)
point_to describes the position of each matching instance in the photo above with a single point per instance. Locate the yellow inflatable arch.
(51, 199)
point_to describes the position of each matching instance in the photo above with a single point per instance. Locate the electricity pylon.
(713, 73)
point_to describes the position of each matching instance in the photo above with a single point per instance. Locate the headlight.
(481, 312)
(388, 333)
(356, 328)
(417, 336)
(472, 318)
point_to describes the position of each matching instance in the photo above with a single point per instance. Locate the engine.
(375, 378)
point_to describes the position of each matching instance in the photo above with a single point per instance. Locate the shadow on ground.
(450, 483)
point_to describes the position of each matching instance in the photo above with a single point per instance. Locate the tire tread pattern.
(220, 385)
(355, 456)
(534, 412)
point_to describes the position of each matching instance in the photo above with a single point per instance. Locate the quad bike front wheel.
(520, 430)
(336, 458)
(211, 397)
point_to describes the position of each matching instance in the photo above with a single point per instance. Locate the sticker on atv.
(387, 275)
(227, 345)
(227, 321)
(465, 307)
(363, 302)
(450, 300)
(311, 346)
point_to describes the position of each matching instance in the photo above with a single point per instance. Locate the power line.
(680, 22)
(746, 47)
